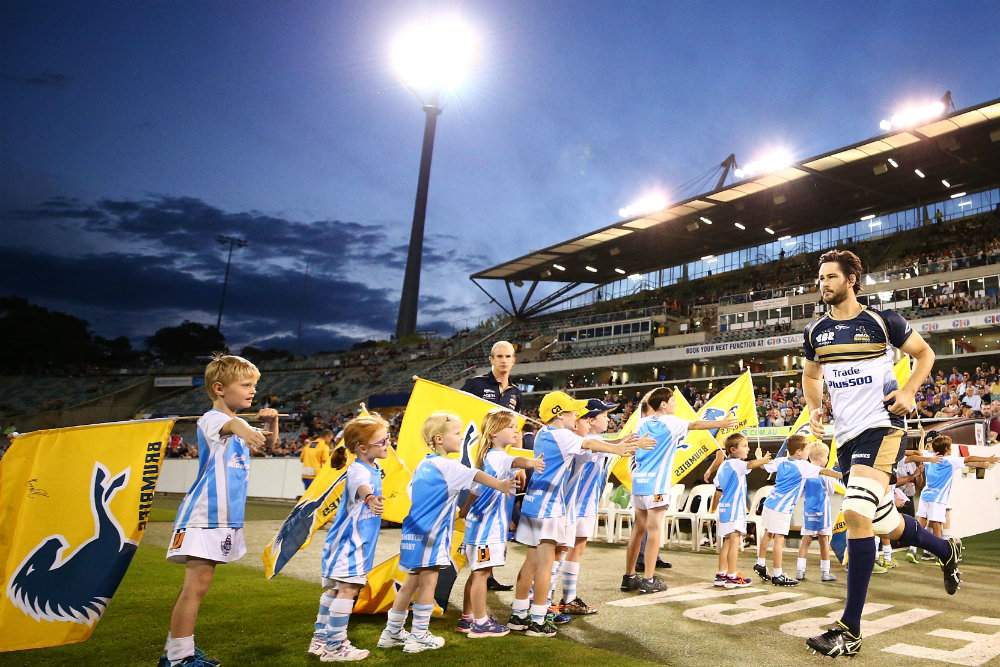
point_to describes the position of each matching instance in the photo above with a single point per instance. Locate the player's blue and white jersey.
(791, 477)
(548, 492)
(218, 497)
(856, 356)
(732, 481)
(594, 468)
(653, 473)
(940, 477)
(489, 517)
(428, 528)
(816, 513)
(349, 550)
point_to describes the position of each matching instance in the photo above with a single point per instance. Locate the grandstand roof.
(814, 194)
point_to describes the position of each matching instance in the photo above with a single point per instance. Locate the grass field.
(164, 509)
(247, 620)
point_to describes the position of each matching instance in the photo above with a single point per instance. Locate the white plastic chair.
(757, 509)
(605, 512)
(706, 518)
(622, 515)
(676, 498)
(699, 498)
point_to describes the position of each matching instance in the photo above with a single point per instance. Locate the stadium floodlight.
(653, 202)
(430, 59)
(785, 238)
(768, 230)
(868, 217)
(957, 195)
(771, 162)
(232, 242)
(913, 115)
(945, 183)
(893, 163)
(706, 220)
(739, 226)
(621, 271)
(707, 258)
(559, 266)
(635, 276)
(591, 269)
(919, 173)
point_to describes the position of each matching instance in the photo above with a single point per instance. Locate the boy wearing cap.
(652, 477)
(543, 521)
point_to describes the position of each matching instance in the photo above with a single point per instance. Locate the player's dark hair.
(849, 263)
(733, 440)
(659, 396)
(796, 443)
(941, 444)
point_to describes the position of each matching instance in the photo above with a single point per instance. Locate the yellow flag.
(396, 503)
(73, 509)
(902, 372)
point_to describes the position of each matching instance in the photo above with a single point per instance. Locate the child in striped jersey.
(936, 496)
(817, 517)
(731, 481)
(487, 520)
(208, 529)
(349, 550)
(428, 528)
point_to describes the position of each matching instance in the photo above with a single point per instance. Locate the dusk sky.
(134, 133)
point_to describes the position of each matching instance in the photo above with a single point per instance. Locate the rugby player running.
(851, 348)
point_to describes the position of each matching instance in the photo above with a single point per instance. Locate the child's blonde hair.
(437, 424)
(227, 368)
(818, 447)
(494, 422)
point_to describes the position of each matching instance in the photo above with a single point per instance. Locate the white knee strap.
(863, 496)
(887, 517)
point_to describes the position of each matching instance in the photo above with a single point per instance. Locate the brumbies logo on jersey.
(76, 588)
(861, 335)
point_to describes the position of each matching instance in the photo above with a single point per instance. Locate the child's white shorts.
(738, 526)
(482, 556)
(335, 583)
(934, 511)
(532, 531)
(651, 502)
(776, 523)
(222, 545)
(828, 531)
(585, 525)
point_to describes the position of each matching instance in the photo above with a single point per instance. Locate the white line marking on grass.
(809, 627)
(701, 591)
(981, 647)
(753, 609)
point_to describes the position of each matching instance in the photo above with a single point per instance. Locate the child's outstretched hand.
(375, 504)
(254, 438)
(766, 457)
(539, 463)
(508, 487)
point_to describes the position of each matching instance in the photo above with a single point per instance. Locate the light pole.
(429, 60)
(233, 243)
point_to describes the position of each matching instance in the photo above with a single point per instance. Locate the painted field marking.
(809, 627)
(981, 647)
(699, 591)
(753, 609)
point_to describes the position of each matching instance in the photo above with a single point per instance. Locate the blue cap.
(596, 406)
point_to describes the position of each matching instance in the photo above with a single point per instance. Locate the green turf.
(256, 511)
(983, 549)
(248, 620)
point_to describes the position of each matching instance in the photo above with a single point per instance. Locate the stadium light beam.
(868, 217)
(653, 202)
(893, 163)
(430, 59)
(739, 226)
(768, 230)
(621, 271)
(785, 237)
(769, 163)
(559, 266)
(913, 115)
(706, 220)
(591, 269)
(919, 173)
(635, 276)
(957, 195)
(945, 183)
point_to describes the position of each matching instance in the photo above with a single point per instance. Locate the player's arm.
(706, 425)
(464, 512)
(831, 473)
(902, 398)
(623, 449)
(522, 462)
(505, 487)
(719, 458)
(812, 390)
(981, 461)
(756, 463)
(918, 458)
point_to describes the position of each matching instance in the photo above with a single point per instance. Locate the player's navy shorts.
(878, 448)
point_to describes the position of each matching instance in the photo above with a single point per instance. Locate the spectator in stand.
(972, 399)
(992, 418)
(924, 411)
(761, 412)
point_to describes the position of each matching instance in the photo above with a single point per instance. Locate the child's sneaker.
(890, 564)
(652, 585)
(519, 623)
(546, 629)
(317, 646)
(878, 569)
(800, 575)
(911, 557)
(928, 556)
(721, 579)
(783, 580)
(578, 608)
(424, 642)
(737, 581)
(761, 571)
(390, 640)
(827, 576)
(464, 625)
(345, 652)
(488, 629)
(556, 617)
(195, 661)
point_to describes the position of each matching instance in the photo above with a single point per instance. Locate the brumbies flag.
(73, 508)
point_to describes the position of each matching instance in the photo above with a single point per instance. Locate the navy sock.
(860, 561)
(914, 535)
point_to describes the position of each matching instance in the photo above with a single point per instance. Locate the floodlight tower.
(430, 60)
